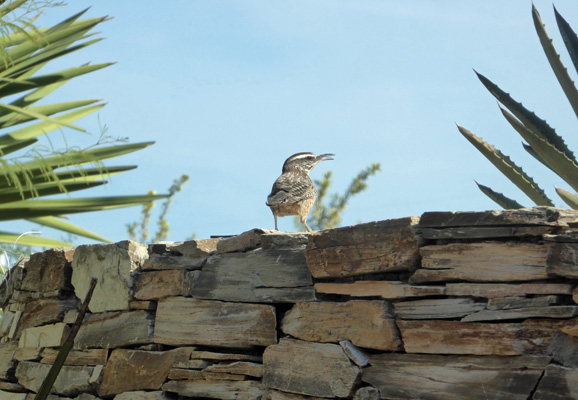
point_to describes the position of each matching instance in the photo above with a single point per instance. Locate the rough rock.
(44, 336)
(161, 262)
(116, 330)
(523, 313)
(482, 262)
(563, 260)
(186, 321)
(389, 245)
(417, 376)
(142, 395)
(71, 380)
(386, 289)
(492, 290)
(134, 370)
(154, 285)
(48, 271)
(222, 390)
(195, 249)
(437, 308)
(260, 276)
(453, 337)
(545, 216)
(316, 369)
(281, 240)
(111, 264)
(558, 383)
(248, 240)
(365, 323)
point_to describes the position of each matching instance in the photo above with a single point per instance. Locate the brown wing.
(291, 188)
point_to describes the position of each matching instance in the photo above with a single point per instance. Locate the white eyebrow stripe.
(303, 156)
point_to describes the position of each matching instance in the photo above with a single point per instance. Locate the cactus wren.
(294, 193)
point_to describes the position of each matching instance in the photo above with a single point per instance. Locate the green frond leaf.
(507, 167)
(26, 209)
(42, 128)
(49, 79)
(31, 240)
(31, 114)
(9, 7)
(18, 145)
(57, 223)
(47, 110)
(45, 189)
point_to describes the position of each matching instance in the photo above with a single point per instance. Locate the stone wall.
(465, 305)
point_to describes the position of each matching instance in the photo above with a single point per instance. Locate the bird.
(294, 192)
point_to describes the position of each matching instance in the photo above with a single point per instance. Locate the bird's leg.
(275, 222)
(304, 222)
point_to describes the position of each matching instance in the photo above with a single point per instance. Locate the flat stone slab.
(260, 276)
(418, 376)
(389, 245)
(185, 321)
(312, 369)
(365, 323)
(482, 262)
(526, 216)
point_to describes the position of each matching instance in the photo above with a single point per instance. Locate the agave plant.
(26, 177)
(542, 141)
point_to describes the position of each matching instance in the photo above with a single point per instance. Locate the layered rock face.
(449, 305)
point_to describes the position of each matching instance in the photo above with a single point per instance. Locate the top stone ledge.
(548, 216)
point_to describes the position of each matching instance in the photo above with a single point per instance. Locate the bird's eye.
(310, 158)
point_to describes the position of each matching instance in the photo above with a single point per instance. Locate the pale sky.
(230, 89)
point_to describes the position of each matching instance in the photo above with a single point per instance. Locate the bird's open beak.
(325, 157)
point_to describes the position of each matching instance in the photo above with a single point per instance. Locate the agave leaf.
(558, 162)
(57, 223)
(531, 151)
(30, 240)
(26, 209)
(554, 59)
(503, 201)
(569, 198)
(528, 118)
(569, 37)
(507, 167)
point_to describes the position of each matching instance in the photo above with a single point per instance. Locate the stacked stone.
(452, 305)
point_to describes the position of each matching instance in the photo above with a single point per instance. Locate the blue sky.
(228, 90)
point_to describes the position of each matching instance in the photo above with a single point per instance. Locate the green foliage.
(327, 216)
(542, 141)
(28, 173)
(139, 231)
